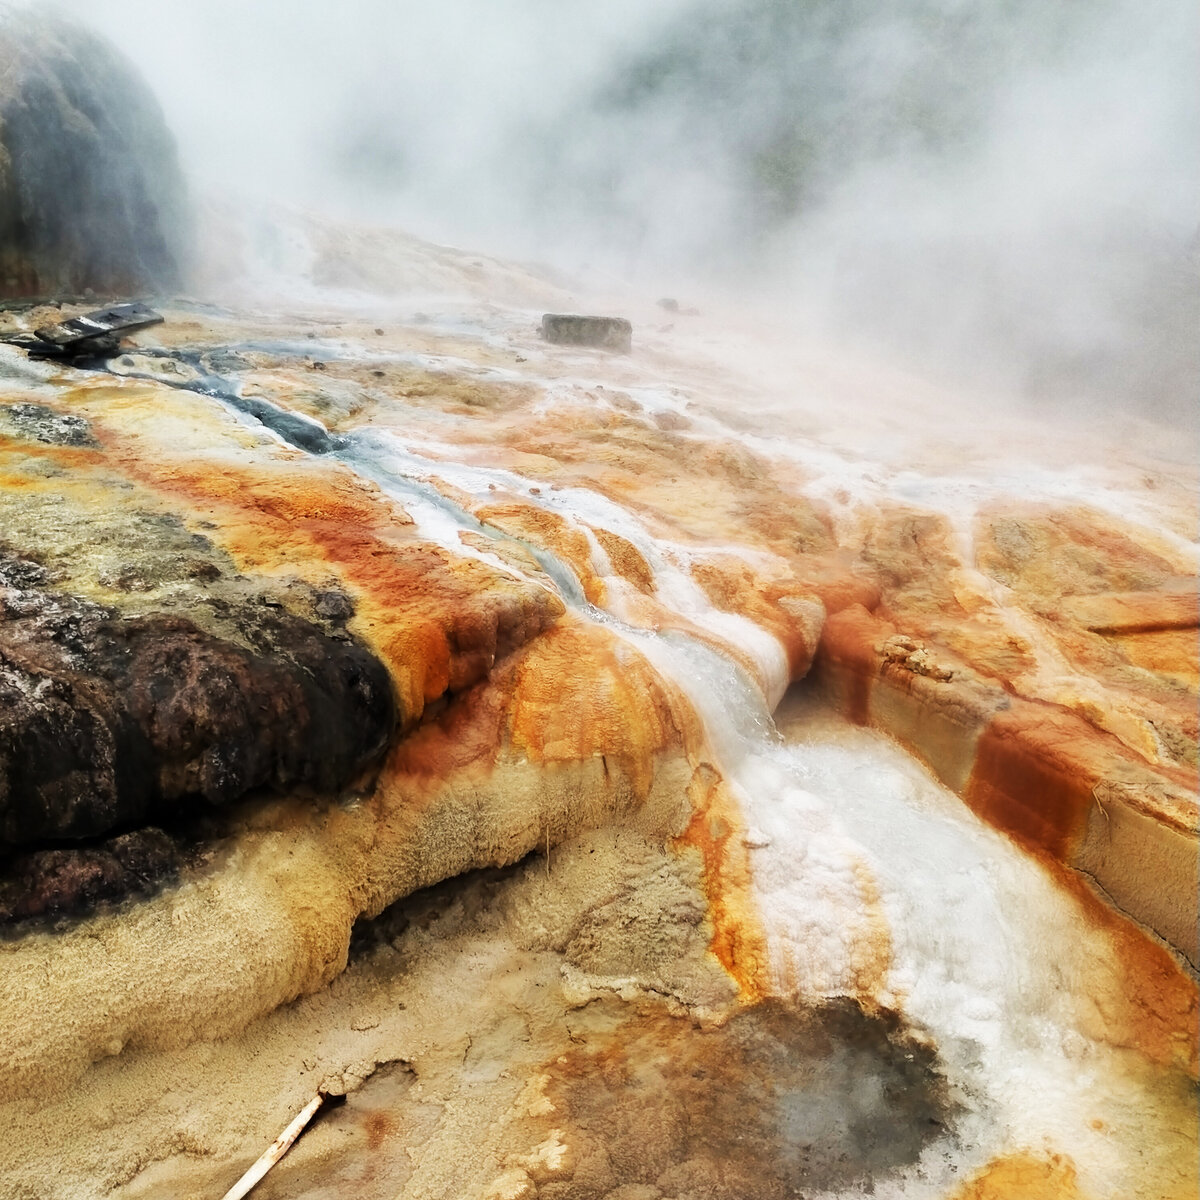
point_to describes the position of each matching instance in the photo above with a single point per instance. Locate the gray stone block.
(570, 329)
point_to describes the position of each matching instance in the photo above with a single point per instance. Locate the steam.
(1005, 191)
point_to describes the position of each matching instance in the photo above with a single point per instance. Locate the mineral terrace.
(386, 698)
(699, 764)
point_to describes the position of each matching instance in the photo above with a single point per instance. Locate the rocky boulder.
(105, 720)
(91, 194)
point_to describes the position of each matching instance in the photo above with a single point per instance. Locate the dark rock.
(607, 333)
(334, 606)
(110, 721)
(70, 881)
(300, 431)
(224, 362)
(21, 573)
(91, 195)
(42, 424)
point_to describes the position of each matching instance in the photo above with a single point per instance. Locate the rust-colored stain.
(576, 693)
(550, 531)
(1031, 778)
(1050, 551)
(847, 660)
(626, 559)
(717, 831)
(689, 490)
(581, 691)
(733, 586)
(1155, 1005)
(467, 732)
(1135, 612)
(728, 581)
(438, 621)
(912, 551)
(378, 1125)
(871, 954)
(1036, 766)
(1171, 652)
(66, 457)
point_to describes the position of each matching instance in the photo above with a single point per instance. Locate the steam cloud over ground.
(1003, 189)
(689, 689)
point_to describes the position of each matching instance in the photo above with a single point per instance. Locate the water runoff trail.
(986, 953)
(987, 956)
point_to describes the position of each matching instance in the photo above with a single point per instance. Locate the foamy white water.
(988, 956)
(849, 837)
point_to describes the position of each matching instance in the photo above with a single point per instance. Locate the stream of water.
(858, 855)
(851, 842)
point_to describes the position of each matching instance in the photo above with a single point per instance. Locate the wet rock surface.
(91, 195)
(775, 1102)
(111, 720)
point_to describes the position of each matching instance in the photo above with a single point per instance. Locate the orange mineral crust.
(1024, 1177)
(439, 621)
(581, 916)
(1039, 771)
(770, 597)
(1154, 1004)
(576, 693)
(717, 831)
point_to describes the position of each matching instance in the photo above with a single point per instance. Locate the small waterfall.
(868, 872)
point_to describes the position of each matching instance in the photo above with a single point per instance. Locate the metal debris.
(117, 319)
(96, 334)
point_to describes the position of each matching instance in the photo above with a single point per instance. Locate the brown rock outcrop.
(108, 721)
(65, 882)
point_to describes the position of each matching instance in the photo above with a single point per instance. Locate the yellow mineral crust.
(1024, 1177)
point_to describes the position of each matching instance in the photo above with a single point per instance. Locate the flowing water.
(862, 863)
(853, 842)
(848, 834)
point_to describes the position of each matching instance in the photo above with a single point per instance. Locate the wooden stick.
(278, 1148)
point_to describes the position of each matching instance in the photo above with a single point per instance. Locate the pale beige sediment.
(272, 921)
(468, 990)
